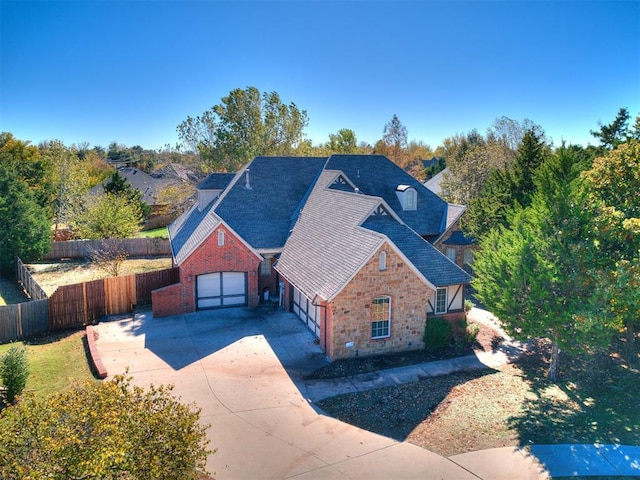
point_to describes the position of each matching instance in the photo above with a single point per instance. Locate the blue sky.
(130, 72)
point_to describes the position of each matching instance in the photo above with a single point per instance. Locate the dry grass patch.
(50, 275)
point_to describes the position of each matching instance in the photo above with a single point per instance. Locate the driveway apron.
(245, 371)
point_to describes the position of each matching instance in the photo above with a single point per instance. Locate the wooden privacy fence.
(81, 304)
(74, 306)
(28, 283)
(22, 320)
(135, 247)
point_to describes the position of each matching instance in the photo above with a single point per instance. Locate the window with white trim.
(381, 317)
(451, 254)
(220, 238)
(382, 260)
(441, 300)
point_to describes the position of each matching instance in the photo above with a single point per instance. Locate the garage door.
(221, 289)
(306, 311)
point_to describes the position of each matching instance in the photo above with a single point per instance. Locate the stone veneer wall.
(349, 315)
(233, 256)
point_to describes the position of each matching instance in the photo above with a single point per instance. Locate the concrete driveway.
(245, 371)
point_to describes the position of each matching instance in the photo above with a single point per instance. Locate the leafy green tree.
(611, 198)
(14, 371)
(24, 223)
(25, 161)
(107, 216)
(343, 142)
(245, 124)
(394, 135)
(69, 178)
(109, 430)
(526, 272)
(471, 158)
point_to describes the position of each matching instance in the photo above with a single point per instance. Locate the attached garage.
(307, 312)
(221, 289)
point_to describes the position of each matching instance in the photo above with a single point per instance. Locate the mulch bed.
(486, 340)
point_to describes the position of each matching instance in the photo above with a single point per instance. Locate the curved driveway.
(246, 373)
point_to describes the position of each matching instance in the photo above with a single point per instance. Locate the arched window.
(381, 317)
(220, 238)
(382, 260)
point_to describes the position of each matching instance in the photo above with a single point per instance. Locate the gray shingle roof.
(377, 175)
(191, 229)
(216, 181)
(294, 202)
(262, 214)
(326, 247)
(435, 266)
(433, 183)
(458, 238)
(149, 186)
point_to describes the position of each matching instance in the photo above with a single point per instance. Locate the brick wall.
(168, 300)
(233, 256)
(349, 317)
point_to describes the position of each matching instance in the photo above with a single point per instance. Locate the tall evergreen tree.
(506, 186)
(526, 271)
(25, 225)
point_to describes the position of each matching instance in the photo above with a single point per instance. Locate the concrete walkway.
(247, 372)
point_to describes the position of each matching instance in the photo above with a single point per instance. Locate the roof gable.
(326, 247)
(378, 176)
(428, 260)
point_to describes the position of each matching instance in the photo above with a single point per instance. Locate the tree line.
(45, 189)
(559, 238)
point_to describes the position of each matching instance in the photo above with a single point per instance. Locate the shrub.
(109, 430)
(471, 332)
(14, 371)
(468, 305)
(437, 333)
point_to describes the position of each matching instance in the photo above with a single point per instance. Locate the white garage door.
(306, 311)
(221, 289)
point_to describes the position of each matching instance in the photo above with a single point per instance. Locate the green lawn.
(55, 362)
(155, 233)
(10, 292)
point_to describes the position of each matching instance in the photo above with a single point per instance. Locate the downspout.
(324, 322)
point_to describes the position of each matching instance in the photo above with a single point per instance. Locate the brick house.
(347, 243)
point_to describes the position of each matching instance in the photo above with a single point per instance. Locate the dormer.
(211, 188)
(408, 197)
(205, 197)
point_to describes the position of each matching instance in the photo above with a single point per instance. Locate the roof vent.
(247, 185)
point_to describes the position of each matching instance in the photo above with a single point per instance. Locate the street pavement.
(247, 370)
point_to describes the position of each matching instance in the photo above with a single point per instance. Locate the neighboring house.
(150, 187)
(345, 242)
(433, 183)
